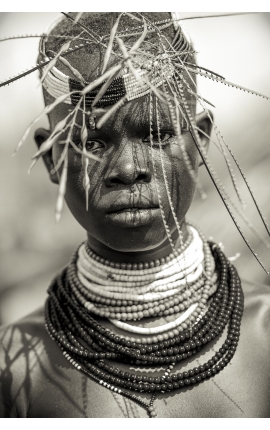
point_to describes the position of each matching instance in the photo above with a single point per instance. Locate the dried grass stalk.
(61, 192)
(110, 45)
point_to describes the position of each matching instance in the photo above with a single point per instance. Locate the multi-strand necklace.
(199, 291)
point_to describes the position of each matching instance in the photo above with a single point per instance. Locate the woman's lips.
(133, 217)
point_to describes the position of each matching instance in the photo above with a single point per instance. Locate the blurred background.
(33, 249)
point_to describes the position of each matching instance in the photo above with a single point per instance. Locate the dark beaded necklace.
(89, 346)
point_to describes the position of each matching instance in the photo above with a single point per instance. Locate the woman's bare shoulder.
(22, 345)
(256, 316)
(22, 332)
(256, 295)
(21, 335)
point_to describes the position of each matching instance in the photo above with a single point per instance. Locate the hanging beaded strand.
(196, 138)
(180, 235)
(179, 77)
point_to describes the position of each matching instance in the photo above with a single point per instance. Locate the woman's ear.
(41, 134)
(204, 125)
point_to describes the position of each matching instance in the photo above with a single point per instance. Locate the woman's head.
(143, 183)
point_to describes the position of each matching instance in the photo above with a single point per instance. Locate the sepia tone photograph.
(135, 251)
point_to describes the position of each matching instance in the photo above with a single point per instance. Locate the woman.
(145, 319)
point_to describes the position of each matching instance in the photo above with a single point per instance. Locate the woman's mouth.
(133, 217)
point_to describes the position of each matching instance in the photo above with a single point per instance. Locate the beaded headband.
(57, 83)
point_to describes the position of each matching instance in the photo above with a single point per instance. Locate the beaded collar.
(206, 305)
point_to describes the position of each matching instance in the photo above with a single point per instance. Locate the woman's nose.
(128, 166)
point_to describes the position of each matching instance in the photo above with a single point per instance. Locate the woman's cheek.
(75, 188)
(183, 184)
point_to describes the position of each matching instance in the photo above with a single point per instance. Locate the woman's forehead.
(133, 115)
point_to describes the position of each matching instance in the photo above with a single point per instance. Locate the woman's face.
(133, 187)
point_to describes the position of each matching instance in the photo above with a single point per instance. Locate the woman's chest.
(238, 391)
(241, 389)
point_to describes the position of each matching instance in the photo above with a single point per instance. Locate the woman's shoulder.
(22, 335)
(23, 331)
(25, 341)
(256, 317)
(256, 298)
(22, 345)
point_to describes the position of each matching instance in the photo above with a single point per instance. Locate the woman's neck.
(160, 251)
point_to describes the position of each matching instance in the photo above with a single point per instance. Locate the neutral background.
(33, 249)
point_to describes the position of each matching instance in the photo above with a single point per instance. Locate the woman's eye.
(163, 138)
(91, 145)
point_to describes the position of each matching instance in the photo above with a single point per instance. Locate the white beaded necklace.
(180, 266)
(182, 270)
(156, 330)
(105, 283)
